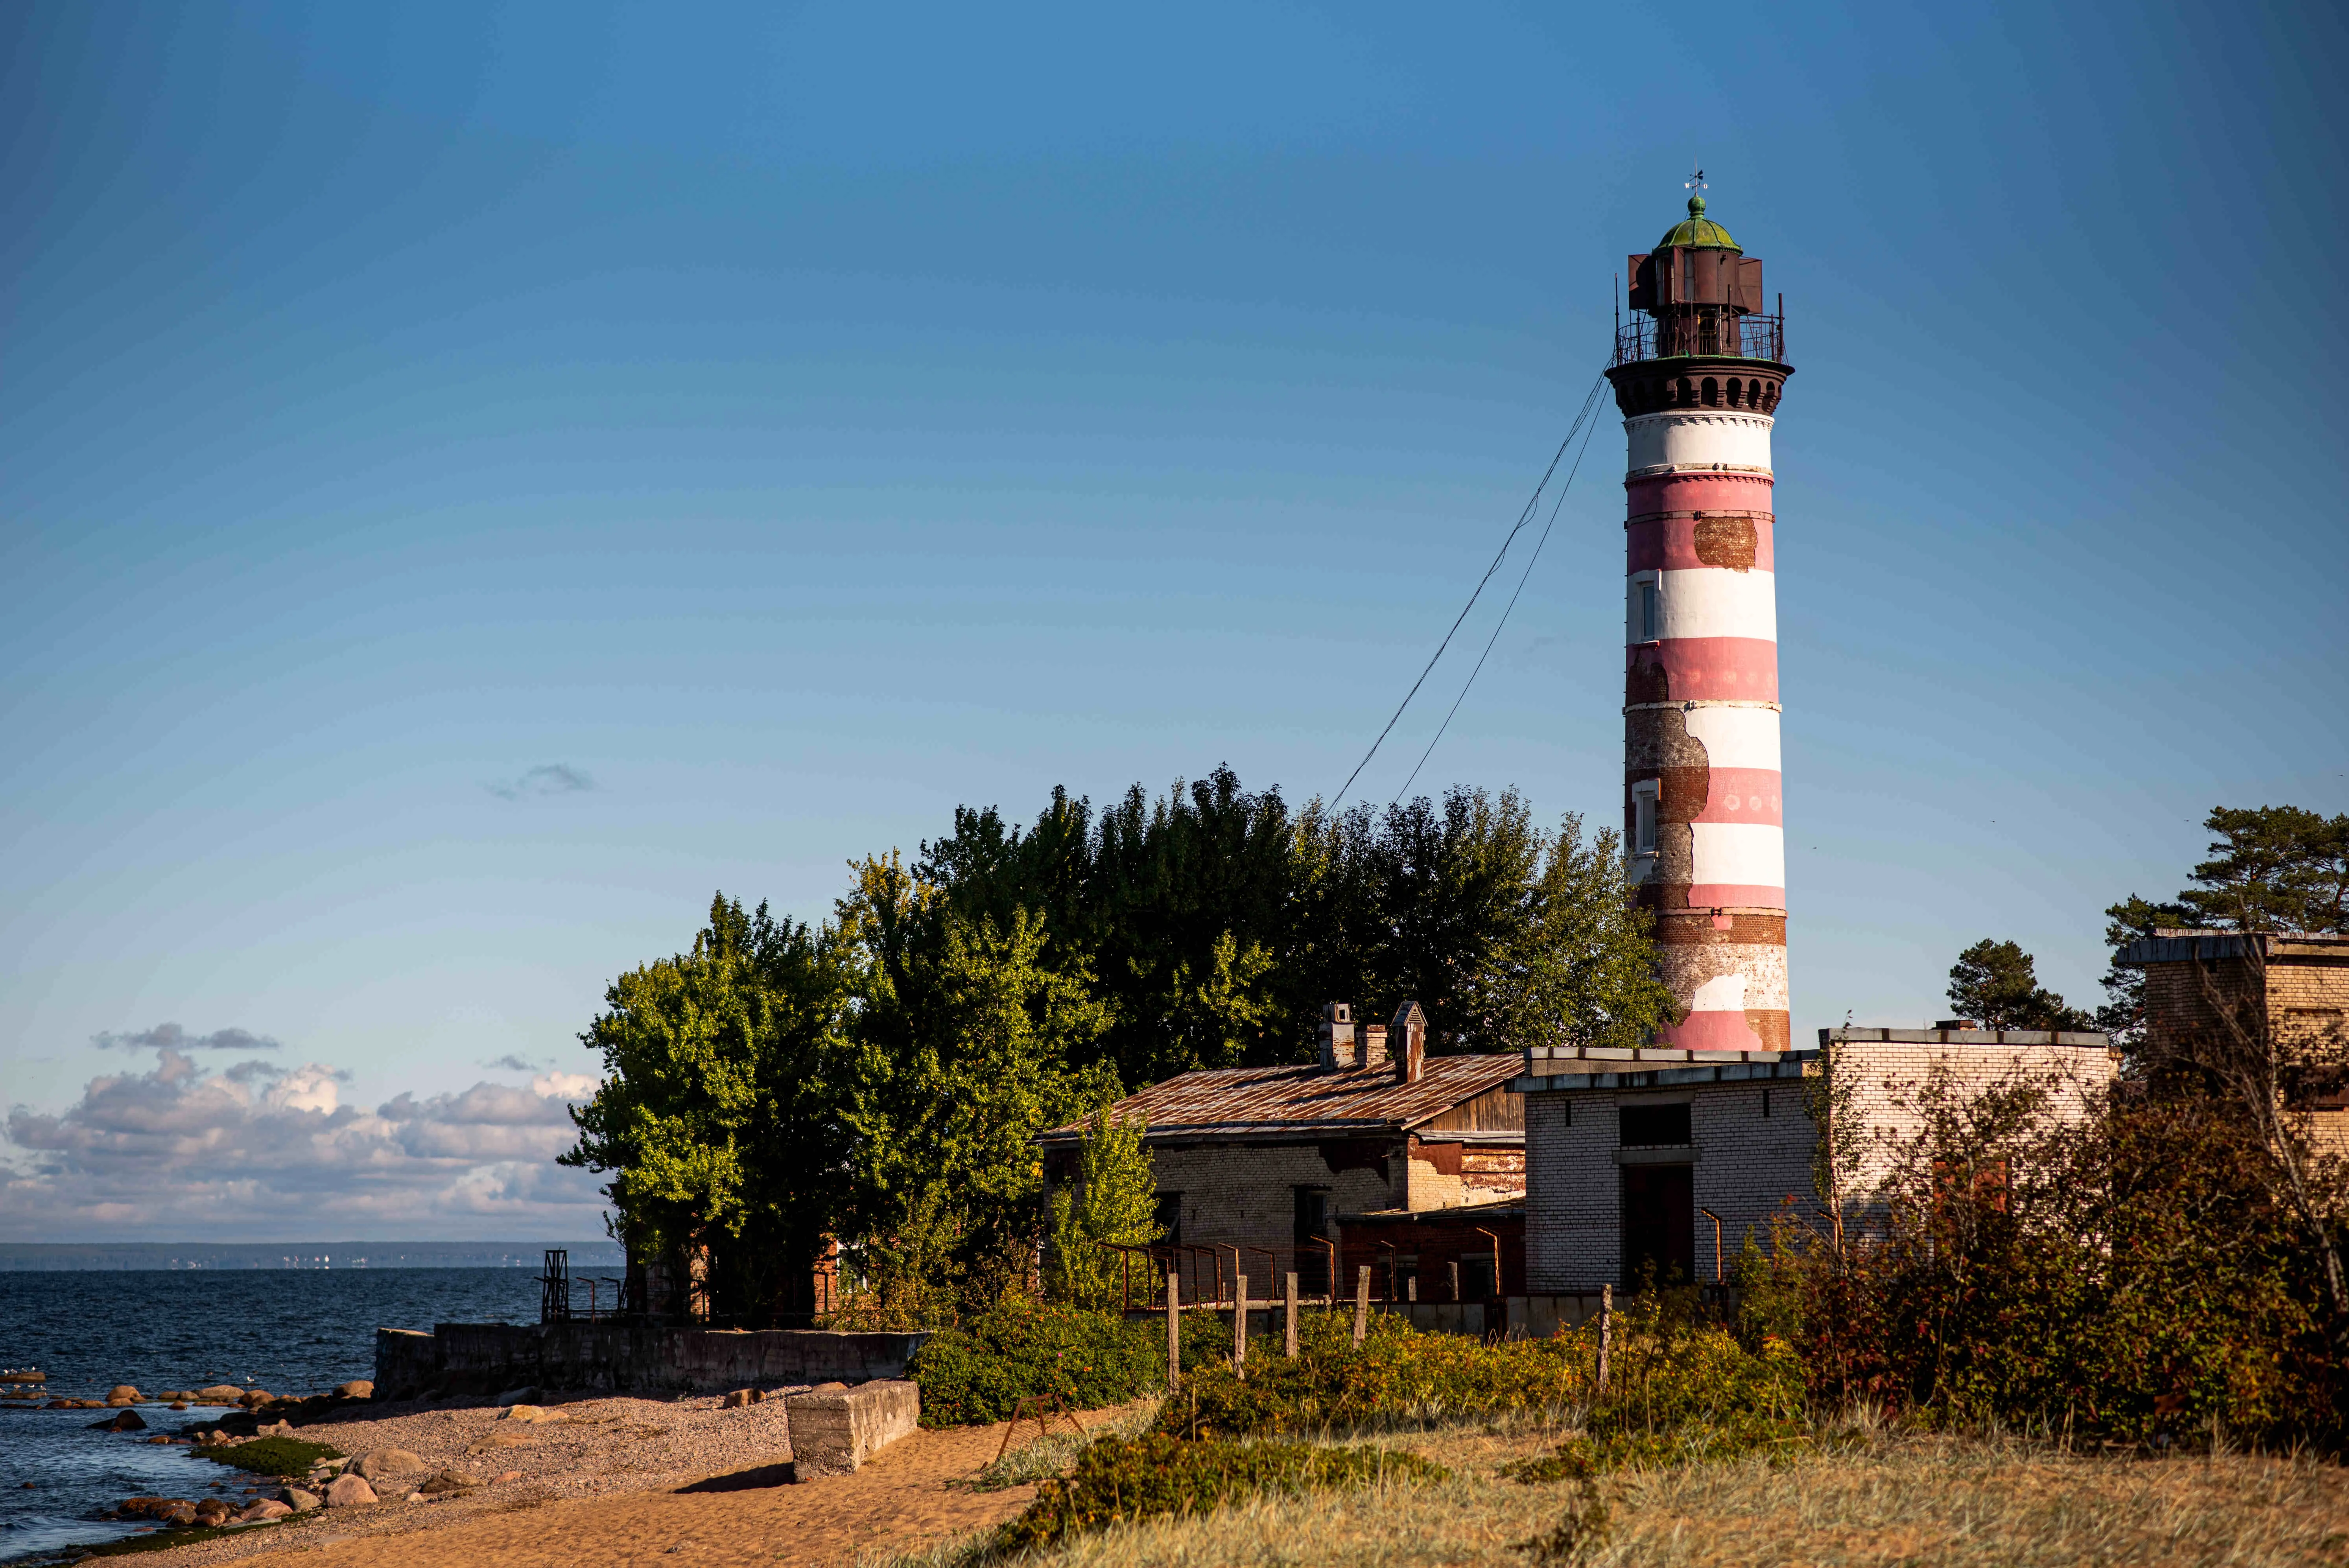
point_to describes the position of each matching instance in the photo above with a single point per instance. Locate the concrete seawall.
(624, 1357)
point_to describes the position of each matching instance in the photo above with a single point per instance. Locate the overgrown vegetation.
(270, 1456)
(878, 1079)
(1123, 1480)
(979, 1371)
(2135, 1276)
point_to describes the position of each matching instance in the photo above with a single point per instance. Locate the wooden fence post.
(1606, 1330)
(1361, 1302)
(1174, 1330)
(1289, 1314)
(1239, 1324)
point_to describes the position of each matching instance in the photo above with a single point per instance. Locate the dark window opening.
(1649, 1125)
(1765, 1102)
(1476, 1278)
(1712, 393)
(1312, 1222)
(1168, 1216)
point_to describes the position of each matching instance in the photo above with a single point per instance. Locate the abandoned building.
(2207, 989)
(1258, 1168)
(1668, 1160)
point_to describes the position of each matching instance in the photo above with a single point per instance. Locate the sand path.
(912, 1492)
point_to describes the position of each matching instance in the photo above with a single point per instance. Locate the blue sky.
(475, 478)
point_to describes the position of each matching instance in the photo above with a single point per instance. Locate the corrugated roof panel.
(1303, 1097)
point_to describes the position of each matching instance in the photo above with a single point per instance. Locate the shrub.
(271, 1456)
(2131, 1277)
(980, 1372)
(1666, 1371)
(1121, 1480)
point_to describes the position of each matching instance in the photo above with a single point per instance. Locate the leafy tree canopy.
(1997, 983)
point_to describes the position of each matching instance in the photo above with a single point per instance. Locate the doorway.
(1659, 1224)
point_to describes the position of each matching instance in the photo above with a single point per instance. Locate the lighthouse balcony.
(1713, 333)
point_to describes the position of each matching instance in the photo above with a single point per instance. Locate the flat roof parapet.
(2172, 946)
(1849, 1035)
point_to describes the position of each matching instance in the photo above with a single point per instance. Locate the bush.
(980, 1372)
(1120, 1480)
(2132, 1277)
(1665, 1372)
(271, 1456)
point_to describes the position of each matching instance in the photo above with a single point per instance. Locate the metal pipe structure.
(1716, 1243)
(1498, 1288)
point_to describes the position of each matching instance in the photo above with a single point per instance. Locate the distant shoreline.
(123, 1256)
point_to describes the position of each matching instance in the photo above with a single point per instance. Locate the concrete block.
(836, 1430)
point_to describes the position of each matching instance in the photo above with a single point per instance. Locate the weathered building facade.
(2207, 992)
(1268, 1161)
(1667, 1161)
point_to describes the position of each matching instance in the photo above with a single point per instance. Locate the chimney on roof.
(1374, 1055)
(1409, 1035)
(1337, 1035)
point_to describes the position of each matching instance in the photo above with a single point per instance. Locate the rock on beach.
(122, 1394)
(347, 1491)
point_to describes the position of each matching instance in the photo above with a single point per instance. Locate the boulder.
(275, 1429)
(740, 1397)
(157, 1439)
(347, 1490)
(298, 1500)
(122, 1394)
(357, 1388)
(127, 1421)
(533, 1414)
(504, 1475)
(211, 1511)
(441, 1482)
(387, 1464)
(218, 1394)
(253, 1398)
(178, 1404)
(177, 1511)
(834, 1430)
(267, 1508)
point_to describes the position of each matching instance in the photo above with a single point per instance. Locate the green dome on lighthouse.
(1699, 233)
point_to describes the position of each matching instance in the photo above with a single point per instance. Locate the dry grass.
(1958, 1502)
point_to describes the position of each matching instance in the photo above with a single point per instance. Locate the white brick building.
(1633, 1157)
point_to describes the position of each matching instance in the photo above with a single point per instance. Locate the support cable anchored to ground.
(1533, 504)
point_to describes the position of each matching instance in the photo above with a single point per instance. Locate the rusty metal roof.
(1241, 1101)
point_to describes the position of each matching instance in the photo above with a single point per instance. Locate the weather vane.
(1695, 181)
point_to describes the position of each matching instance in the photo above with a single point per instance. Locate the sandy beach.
(625, 1480)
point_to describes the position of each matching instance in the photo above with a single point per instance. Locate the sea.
(291, 1330)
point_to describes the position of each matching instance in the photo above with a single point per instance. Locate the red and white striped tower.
(1698, 383)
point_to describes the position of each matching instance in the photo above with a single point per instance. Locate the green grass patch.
(1124, 1480)
(288, 1456)
(165, 1539)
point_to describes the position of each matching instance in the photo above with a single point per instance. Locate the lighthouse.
(1698, 372)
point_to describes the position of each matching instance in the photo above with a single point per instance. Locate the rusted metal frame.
(1716, 1242)
(1330, 1298)
(1271, 1270)
(1044, 1427)
(1499, 1283)
(1392, 1254)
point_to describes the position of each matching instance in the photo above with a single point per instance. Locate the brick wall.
(1744, 1164)
(1244, 1193)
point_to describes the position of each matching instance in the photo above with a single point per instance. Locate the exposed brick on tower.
(1698, 383)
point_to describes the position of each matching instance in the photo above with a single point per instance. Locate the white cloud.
(262, 1150)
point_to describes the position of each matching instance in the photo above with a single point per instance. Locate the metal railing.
(1724, 336)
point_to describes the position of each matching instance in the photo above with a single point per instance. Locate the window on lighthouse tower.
(1643, 816)
(1647, 608)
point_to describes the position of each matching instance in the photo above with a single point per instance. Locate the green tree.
(2270, 868)
(967, 1040)
(1997, 983)
(719, 1116)
(1113, 1199)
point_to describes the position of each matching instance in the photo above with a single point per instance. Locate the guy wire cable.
(1524, 516)
(1504, 620)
